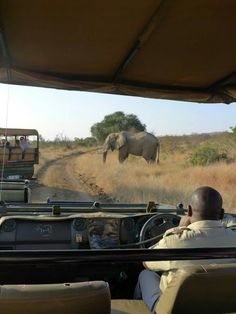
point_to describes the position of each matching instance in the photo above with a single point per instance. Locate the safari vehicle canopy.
(17, 162)
(181, 50)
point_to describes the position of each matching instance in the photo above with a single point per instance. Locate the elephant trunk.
(104, 156)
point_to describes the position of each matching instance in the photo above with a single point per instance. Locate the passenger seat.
(205, 289)
(68, 298)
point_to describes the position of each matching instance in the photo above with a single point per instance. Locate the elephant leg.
(152, 161)
(149, 156)
(123, 154)
(154, 158)
(158, 154)
(148, 160)
(122, 158)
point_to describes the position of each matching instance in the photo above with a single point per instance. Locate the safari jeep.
(51, 259)
(17, 162)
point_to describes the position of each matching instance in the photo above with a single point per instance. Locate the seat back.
(15, 154)
(201, 289)
(29, 155)
(69, 298)
(4, 155)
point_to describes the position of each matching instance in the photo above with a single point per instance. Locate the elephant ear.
(121, 140)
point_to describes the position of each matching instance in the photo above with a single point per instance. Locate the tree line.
(112, 123)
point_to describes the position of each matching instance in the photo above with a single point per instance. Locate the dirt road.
(60, 180)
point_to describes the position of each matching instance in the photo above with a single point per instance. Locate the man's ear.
(222, 212)
(190, 211)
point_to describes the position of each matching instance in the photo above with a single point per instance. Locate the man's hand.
(184, 221)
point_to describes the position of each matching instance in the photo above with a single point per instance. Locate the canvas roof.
(182, 50)
(18, 132)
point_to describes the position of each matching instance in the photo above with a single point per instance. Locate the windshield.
(196, 142)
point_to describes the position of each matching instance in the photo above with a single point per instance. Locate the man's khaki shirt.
(205, 233)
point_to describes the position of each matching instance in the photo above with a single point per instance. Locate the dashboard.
(80, 231)
(41, 232)
(29, 233)
(69, 232)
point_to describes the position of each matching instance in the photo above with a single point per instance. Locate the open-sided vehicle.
(60, 257)
(63, 253)
(17, 162)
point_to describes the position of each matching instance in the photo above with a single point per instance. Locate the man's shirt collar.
(206, 224)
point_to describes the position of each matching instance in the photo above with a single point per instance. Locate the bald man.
(201, 227)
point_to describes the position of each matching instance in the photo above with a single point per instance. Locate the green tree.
(116, 122)
(233, 130)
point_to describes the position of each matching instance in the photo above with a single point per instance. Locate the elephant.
(139, 144)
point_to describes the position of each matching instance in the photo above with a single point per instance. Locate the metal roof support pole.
(143, 37)
(5, 55)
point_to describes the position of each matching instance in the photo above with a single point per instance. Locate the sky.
(71, 113)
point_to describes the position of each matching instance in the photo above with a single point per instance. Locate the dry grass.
(168, 182)
(171, 181)
(50, 153)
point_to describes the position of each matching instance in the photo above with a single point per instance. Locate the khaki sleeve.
(159, 265)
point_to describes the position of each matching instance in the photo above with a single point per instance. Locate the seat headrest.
(70, 298)
(200, 289)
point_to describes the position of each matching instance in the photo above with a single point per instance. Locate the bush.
(206, 155)
(86, 142)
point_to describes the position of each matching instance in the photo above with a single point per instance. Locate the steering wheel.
(155, 227)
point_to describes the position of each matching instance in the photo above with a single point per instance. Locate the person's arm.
(158, 265)
(169, 240)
